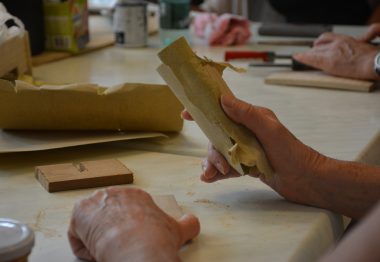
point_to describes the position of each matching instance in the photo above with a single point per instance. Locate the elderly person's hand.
(293, 162)
(372, 32)
(124, 224)
(341, 55)
(301, 174)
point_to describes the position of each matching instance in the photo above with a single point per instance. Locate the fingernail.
(204, 165)
(228, 101)
(220, 167)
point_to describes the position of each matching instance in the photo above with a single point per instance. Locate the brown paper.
(29, 140)
(198, 84)
(127, 107)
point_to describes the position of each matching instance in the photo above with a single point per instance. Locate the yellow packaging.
(66, 25)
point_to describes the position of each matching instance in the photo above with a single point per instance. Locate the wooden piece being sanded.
(62, 177)
(318, 79)
(199, 85)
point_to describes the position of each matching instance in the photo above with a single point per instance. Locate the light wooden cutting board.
(318, 79)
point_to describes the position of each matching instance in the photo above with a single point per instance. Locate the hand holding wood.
(198, 84)
(295, 164)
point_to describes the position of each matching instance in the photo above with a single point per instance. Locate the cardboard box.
(66, 25)
(15, 57)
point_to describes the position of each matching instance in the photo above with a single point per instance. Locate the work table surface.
(241, 219)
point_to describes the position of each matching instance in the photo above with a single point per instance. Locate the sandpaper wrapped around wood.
(127, 107)
(199, 85)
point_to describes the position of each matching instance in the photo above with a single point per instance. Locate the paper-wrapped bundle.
(127, 107)
(198, 83)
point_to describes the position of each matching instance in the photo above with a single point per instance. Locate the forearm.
(348, 188)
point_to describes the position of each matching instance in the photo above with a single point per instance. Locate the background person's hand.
(119, 223)
(294, 163)
(341, 55)
(372, 32)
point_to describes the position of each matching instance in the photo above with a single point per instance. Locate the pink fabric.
(224, 30)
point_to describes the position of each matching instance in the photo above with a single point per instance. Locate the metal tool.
(294, 65)
(266, 56)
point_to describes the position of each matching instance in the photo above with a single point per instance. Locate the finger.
(186, 115)
(372, 32)
(219, 176)
(248, 115)
(218, 160)
(79, 249)
(313, 58)
(77, 246)
(212, 174)
(255, 173)
(190, 227)
(209, 171)
(324, 38)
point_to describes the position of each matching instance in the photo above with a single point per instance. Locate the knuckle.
(266, 112)
(247, 110)
(374, 27)
(324, 35)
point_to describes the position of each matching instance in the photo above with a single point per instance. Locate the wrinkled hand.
(341, 56)
(372, 32)
(293, 162)
(122, 224)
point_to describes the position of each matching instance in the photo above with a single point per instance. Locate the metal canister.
(130, 23)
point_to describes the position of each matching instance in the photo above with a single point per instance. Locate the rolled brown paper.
(126, 107)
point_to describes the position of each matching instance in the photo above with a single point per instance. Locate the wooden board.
(68, 176)
(318, 79)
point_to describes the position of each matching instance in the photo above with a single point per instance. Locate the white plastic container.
(16, 241)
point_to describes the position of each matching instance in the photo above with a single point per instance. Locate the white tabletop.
(241, 219)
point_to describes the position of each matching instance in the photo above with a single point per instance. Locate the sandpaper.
(199, 85)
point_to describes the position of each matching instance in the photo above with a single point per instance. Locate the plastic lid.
(16, 239)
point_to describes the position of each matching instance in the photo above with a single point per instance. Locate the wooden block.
(169, 205)
(318, 79)
(61, 177)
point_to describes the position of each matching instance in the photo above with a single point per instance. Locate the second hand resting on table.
(124, 224)
(344, 56)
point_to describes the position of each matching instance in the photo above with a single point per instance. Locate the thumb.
(189, 226)
(312, 58)
(372, 33)
(305, 58)
(241, 112)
